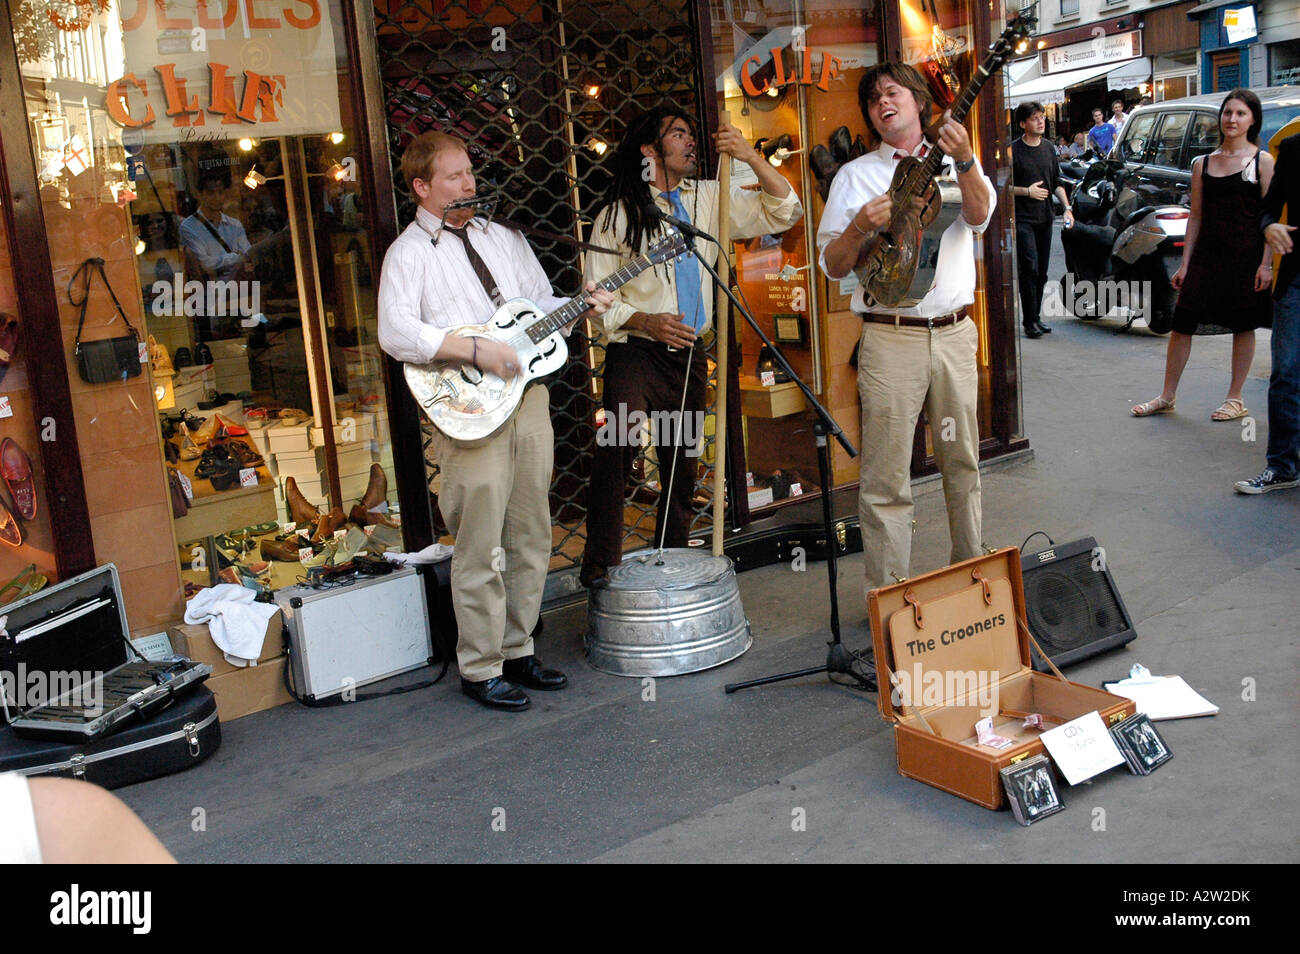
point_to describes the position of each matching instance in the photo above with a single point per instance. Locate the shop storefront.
(1231, 54)
(1173, 42)
(234, 166)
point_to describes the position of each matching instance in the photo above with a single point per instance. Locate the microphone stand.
(838, 658)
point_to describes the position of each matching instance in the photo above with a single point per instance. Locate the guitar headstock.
(1012, 40)
(672, 245)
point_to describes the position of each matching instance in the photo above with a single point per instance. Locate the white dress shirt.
(752, 213)
(424, 289)
(869, 176)
(203, 245)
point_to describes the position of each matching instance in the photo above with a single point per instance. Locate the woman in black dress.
(1223, 280)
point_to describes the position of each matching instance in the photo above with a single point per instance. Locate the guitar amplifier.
(1073, 606)
(343, 637)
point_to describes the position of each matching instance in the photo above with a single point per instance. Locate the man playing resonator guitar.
(922, 355)
(448, 269)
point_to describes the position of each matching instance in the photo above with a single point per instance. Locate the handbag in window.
(106, 359)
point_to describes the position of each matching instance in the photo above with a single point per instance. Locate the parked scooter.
(1072, 171)
(1119, 255)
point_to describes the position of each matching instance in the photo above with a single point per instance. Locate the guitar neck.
(571, 310)
(960, 109)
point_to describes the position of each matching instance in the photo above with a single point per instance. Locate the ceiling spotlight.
(139, 246)
(593, 91)
(597, 145)
(335, 137)
(337, 172)
(1022, 46)
(247, 144)
(254, 178)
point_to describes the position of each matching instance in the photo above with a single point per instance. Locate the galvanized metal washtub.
(666, 613)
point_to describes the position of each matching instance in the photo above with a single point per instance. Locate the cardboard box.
(195, 642)
(353, 459)
(229, 348)
(300, 465)
(353, 488)
(289, 437)
(246, 691)
(355, 428)
(954, 644)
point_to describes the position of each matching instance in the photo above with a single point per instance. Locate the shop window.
(216, 171)
(1069, 8)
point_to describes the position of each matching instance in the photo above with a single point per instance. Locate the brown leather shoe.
(11, 531)
(301, 509)
(327, 524)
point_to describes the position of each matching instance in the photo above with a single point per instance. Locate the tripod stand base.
(838, 660)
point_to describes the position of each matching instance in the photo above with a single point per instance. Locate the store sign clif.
(1101, 49)
(225, 71)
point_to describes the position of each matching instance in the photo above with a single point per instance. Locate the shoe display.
(27, 582)
(824, 168)
(301, 509)
(841, 144)
(363, 512)
(182, 359)
(1268, 481)
(327, 524)
(202, 354)
(160, 361)
(11, 531)
(189, 449)
(245, 454)
(16, 468)
(8, 342)
(285, 550)
(496, 693)
(528, 671)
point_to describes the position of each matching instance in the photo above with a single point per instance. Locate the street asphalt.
(805, 770)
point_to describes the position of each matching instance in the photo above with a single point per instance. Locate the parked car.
(1134, 202)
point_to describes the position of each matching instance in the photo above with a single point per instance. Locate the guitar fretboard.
(569, 312)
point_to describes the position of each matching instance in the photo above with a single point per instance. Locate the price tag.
(186, 486)
(143, 348)
(340, 533)
(305, 554)
(1082, 748)
(304, 532)
(767, 379)
(796, 490)
(6, 410)
(248, 477)
(288, 527)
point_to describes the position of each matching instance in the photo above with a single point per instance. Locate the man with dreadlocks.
(651, 327)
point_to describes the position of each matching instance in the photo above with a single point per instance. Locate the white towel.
(236, 623)
(433, 553)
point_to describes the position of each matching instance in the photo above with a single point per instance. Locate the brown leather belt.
(942, 321)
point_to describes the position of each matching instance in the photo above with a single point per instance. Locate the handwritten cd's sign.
(1239, 24)
(225, 69)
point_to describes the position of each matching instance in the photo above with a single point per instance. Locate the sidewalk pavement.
(598, 772)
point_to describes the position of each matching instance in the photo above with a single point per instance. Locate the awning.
(1051, 88)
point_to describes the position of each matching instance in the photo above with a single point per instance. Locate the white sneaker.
(1268, 480)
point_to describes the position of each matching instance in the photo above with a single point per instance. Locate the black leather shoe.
(529, 672)
(1031, 331)
(496, 693)
(1045, 329)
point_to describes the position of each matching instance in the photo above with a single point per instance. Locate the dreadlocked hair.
(629, 186)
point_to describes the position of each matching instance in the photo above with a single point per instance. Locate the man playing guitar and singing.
(917, 356)
(445, 270)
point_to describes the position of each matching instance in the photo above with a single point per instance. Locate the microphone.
(656, 214)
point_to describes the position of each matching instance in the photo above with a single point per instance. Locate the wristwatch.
(966, 166)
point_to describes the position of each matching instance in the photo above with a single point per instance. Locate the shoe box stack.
(353, 442)
(290, 452)
(240, 691)
(230, 371)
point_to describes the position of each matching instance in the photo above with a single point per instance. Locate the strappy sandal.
(1229, 410)
(27, 582)
(1154, 406)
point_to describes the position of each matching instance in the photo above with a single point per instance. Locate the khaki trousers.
(900, 371)
(495, 500)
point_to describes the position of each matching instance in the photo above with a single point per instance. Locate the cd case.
(1143, 748)
(1031, 789)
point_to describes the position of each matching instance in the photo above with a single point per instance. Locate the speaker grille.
(1074, 611)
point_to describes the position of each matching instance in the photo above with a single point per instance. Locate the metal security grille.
(541, 91)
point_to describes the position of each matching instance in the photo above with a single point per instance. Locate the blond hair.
(417, 161)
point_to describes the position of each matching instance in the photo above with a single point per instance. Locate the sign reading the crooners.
(226, 69)
(1100, 50)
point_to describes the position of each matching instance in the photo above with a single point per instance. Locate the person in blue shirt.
(1102, 134)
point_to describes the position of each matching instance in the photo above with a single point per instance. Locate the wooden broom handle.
(723, 337)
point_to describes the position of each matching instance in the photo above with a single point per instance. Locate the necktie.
(899, 154)
(686, 273)
(490, 284)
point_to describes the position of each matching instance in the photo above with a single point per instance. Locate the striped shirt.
(425, 289)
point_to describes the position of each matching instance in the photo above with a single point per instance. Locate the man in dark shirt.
(1282, 470)
(1035, 178)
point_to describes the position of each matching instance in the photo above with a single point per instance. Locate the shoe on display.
(202, 354)
(182, 359)
(16, 468)
(11, 531)
(496, 693)
(189, 448)
(302, 510)
(160, 361)
(1268, 481)
(8, 342)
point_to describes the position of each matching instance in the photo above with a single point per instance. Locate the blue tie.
(686, 273)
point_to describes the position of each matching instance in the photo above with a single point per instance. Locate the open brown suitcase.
(959, 638)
